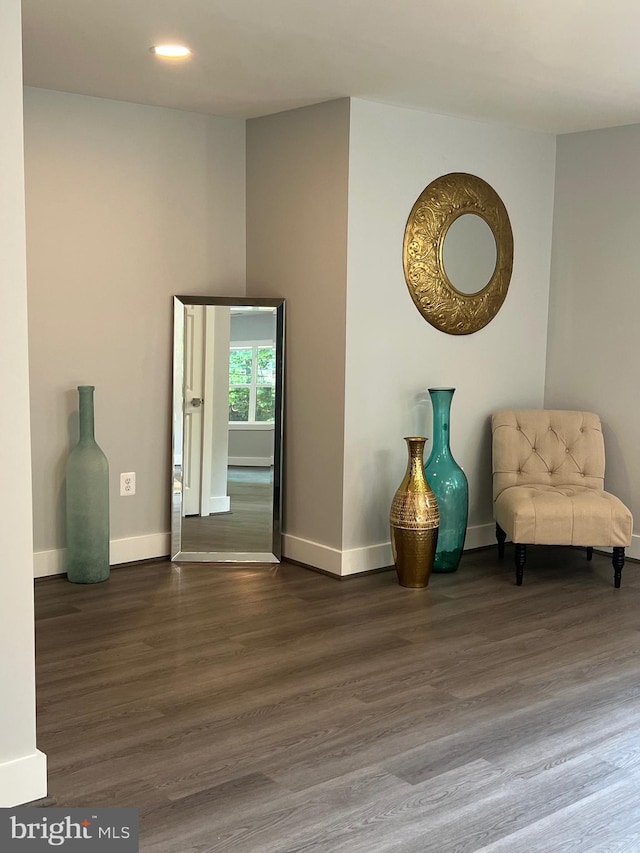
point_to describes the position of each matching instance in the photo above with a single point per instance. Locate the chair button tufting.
(534, 449)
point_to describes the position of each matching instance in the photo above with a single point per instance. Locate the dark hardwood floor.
(256, 709)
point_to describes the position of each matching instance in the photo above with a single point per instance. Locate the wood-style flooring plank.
(261, 708)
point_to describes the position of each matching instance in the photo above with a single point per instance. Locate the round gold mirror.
(458, 253)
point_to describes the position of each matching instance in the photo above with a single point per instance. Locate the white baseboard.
(632, 552)
(367, 559)
(480, 536)
(252, 461)
(47, 563)
(139, 548)
(486, 536)
(355, 561)
(312, 554)
(219, 503)
(23, 780)
(128, 550)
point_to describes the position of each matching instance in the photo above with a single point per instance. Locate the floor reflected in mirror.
(248, 525)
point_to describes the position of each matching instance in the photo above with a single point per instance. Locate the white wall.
(595, 295)
(22, 766)
(393, 354)
(253, 326)
(127, 205)
(253, 447)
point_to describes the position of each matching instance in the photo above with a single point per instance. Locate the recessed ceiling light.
(171, 51)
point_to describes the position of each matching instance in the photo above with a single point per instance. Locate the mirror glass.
(227, 429)
(469, 253)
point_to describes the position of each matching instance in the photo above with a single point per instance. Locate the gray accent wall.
(127, 205)
(592, 360)
(297, 194)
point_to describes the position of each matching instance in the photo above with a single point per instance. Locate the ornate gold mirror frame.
(435, 297)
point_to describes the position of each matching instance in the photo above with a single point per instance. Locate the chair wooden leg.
(618, 563)
(520, 557)
(589, 553)
(500, 536)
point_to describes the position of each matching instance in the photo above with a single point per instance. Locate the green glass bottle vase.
(449, 483)
(87, 501)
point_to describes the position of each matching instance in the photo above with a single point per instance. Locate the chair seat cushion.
(563, 515)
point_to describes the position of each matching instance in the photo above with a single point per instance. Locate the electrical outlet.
(127, 484)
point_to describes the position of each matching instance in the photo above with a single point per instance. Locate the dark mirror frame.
(215, 555)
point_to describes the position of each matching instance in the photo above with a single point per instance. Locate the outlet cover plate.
(127, 484)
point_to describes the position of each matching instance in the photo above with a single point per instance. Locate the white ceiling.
(551, 65)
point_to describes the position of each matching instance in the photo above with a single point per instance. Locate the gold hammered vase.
(414, 521)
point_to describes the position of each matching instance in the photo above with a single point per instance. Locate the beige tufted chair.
(548, 485)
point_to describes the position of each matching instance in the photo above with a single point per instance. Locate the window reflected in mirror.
(252, 382)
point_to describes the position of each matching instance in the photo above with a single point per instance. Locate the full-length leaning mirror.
(227, 429)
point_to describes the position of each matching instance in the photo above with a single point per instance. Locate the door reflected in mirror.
(227, 429)
(469, 253)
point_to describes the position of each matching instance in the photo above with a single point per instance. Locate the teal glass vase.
(87, 501)
(449, 483)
